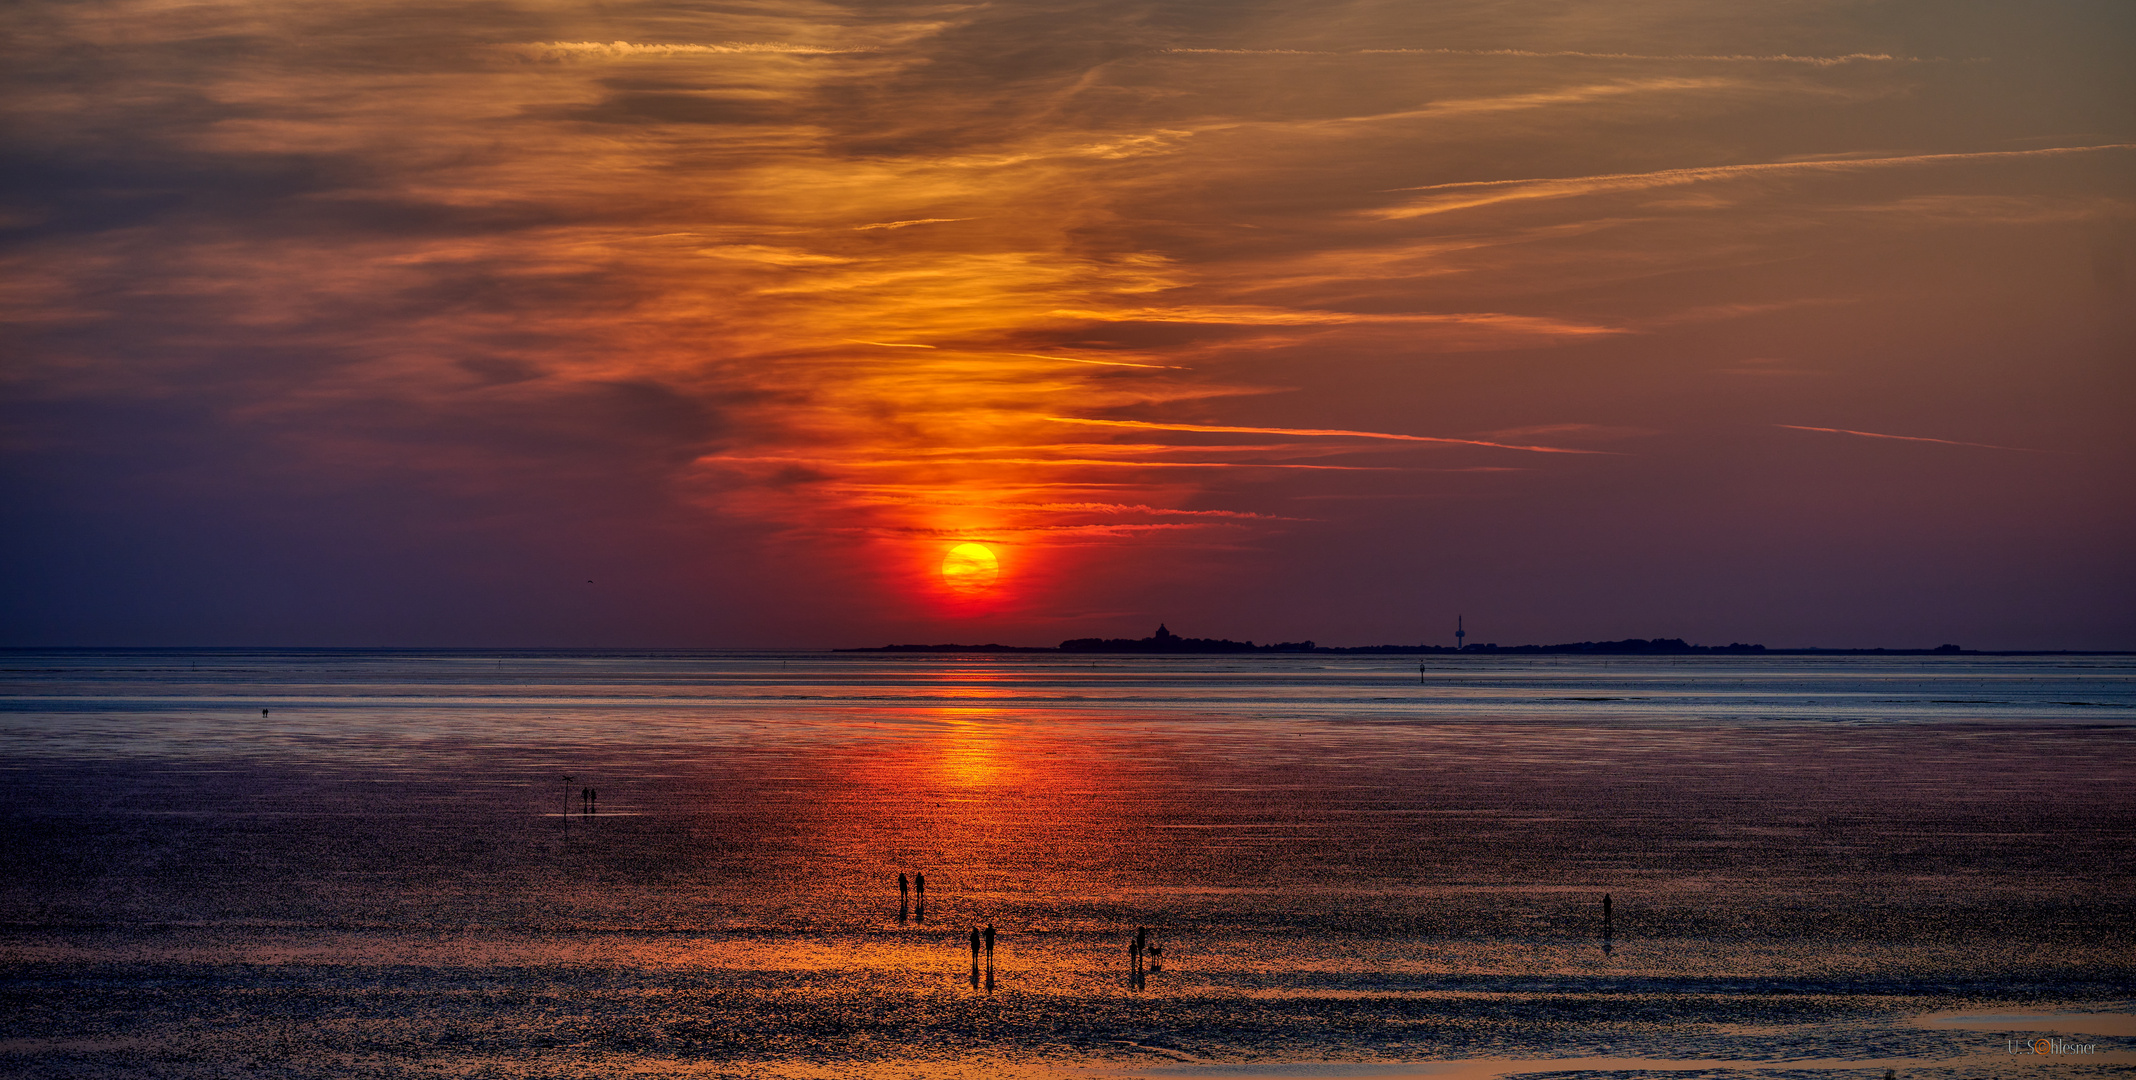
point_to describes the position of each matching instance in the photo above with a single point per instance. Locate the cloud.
(1259, 315)
(1048, 462)
(1910, 438)
(908, 224)
(1591, 431)
(557, 50)
(1544, 99)
(1333, 432)
(1531, 54)
(1767, 367)
(1463, 195)
(1102, 363)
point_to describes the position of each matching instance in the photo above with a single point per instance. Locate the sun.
(970, 569)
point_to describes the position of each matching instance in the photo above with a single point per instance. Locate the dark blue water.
(1342, 860)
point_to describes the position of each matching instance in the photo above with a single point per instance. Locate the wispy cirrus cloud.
(1260, 315)
(552, 50)
(1567, 54)
(907, 224)
(1146, 425)
(1910, 438)
(1467, 194)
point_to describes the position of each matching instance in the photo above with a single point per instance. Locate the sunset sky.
(1802, 323)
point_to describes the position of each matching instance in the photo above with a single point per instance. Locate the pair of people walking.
(987, 936)
(905, 888)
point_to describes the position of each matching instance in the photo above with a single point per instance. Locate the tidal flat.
(460, 863)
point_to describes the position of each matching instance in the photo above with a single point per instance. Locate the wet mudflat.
(1345, 863)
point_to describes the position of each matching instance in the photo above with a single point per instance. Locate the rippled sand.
(1349, 864)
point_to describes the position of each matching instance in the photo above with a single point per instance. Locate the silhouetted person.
(988, 934)
(919, 885)
(1607, 929)
(263, 712)
(902, 887)
(975, 946)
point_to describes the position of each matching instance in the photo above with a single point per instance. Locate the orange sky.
(556, 324)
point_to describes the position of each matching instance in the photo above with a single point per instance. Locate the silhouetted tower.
(1459, 633)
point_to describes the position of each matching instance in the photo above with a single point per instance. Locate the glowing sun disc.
(970, 568)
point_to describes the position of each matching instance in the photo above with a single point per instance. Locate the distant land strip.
(1164, 642)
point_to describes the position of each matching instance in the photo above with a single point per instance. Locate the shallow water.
(1346, 860)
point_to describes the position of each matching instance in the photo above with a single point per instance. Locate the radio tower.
(1459, 633)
